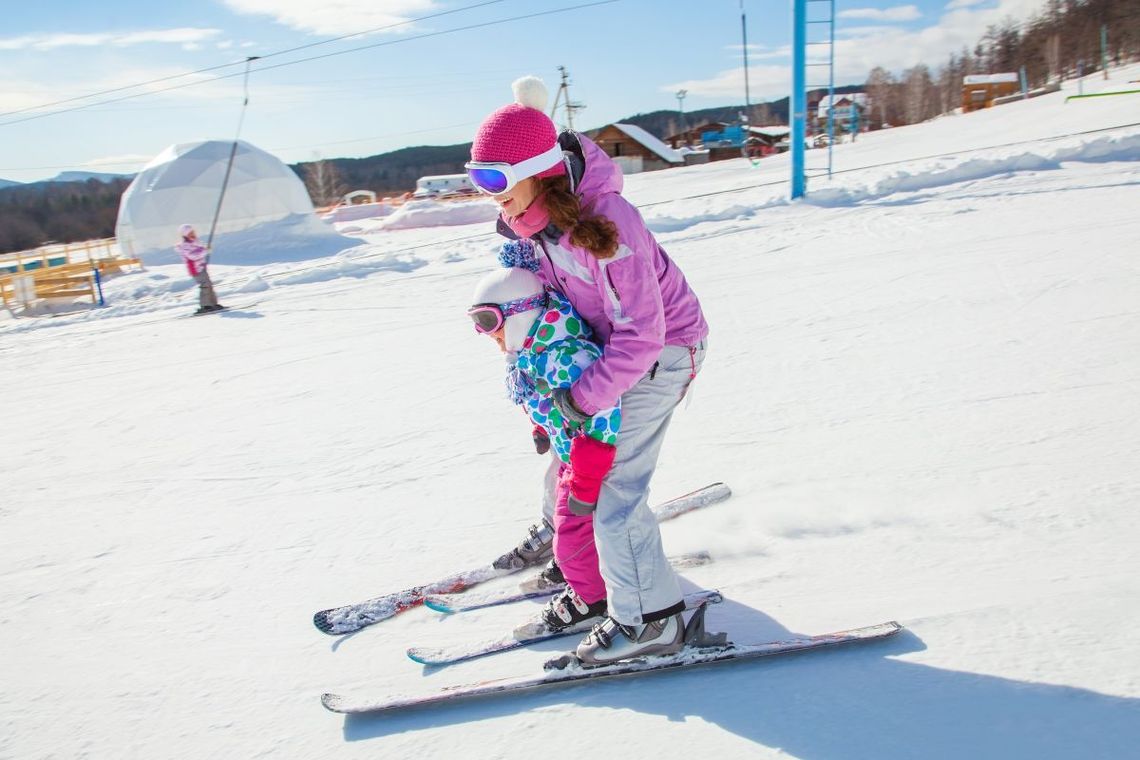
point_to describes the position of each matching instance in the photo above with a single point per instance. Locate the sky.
(106, 87)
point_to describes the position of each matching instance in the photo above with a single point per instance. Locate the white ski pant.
(639, 579)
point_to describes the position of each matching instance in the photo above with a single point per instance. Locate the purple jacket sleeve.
(628, 284)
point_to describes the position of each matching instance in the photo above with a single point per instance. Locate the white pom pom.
(530, 92)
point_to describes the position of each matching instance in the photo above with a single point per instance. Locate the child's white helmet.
(503, 286)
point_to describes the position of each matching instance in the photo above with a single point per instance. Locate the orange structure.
(979, 90)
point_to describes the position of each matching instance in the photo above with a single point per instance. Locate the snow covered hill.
(922, 386)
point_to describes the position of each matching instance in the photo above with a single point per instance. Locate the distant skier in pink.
(197, 256)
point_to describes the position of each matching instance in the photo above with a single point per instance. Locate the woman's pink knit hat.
(519, 131)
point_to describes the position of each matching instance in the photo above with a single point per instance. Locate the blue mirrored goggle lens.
(491, 180)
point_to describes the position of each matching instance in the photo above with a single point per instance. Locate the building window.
(617, 148)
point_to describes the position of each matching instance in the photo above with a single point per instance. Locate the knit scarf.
(530, 222)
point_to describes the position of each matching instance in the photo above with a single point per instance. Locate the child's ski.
(352, 617)
(535, 588)
(529, 633)
(220, 310)
(690, 656)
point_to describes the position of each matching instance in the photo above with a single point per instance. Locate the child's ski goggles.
(489, 317)
(494, 177)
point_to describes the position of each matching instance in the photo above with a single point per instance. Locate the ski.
(529, 633)
(222, 310)
(691, 656)
(534, 588)
(336, 621)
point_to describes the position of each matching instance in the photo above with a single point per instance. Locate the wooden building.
(980, 90)
(766, 141)
(635, 150)
(692, 137)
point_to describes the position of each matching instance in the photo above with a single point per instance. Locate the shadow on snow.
(856, 701)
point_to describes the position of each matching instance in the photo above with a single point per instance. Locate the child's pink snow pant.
(574, 544)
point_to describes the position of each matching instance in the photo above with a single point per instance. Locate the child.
(547, 346)
(196, 257)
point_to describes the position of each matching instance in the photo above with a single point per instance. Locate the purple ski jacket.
(637, 301)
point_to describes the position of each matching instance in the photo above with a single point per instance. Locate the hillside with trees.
(395, 173)
(64, 212)
(1062, 41)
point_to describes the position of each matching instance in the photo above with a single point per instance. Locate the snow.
(921, 386)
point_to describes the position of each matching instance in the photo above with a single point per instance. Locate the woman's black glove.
(564, 403)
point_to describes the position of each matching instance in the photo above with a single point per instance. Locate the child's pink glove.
(590, 460)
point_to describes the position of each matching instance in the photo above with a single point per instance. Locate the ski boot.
(532, 550)
(568, 610)
(612, 641)
(551, 575)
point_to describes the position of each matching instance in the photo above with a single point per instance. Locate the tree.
(1006, 46)
(950, 83)
(881, 89)
(762, 116)
(920, 94)
(323, 181)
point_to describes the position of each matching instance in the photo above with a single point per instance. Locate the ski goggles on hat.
(494, 177)
(489, 317)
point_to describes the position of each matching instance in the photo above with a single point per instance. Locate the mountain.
(84, 176)
(397, 172)
(78, 205)
(666, 123)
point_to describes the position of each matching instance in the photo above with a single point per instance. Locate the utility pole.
(563, 96)
(681, 107)
(744, 40)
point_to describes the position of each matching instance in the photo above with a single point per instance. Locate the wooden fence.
(58, 271)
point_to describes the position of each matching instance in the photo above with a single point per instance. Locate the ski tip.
(424, 655)
(438, 605)
(321, 621)
(332, 702)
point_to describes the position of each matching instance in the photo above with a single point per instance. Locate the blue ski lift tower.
(799, 108)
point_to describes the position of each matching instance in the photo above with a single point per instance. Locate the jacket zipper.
(613, 288)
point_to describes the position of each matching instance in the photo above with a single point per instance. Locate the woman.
(563, 192)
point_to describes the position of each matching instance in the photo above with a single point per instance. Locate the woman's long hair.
(596, 234)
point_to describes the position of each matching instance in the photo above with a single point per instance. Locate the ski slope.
(923, 386)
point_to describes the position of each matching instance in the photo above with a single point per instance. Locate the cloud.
(336, 17)
(954, 5)
(181, 36)
(124, 163)
(897, 13)
(765, 82)
(859, 49)
(761, 52)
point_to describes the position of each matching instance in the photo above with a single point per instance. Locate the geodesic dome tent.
(183, 184)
